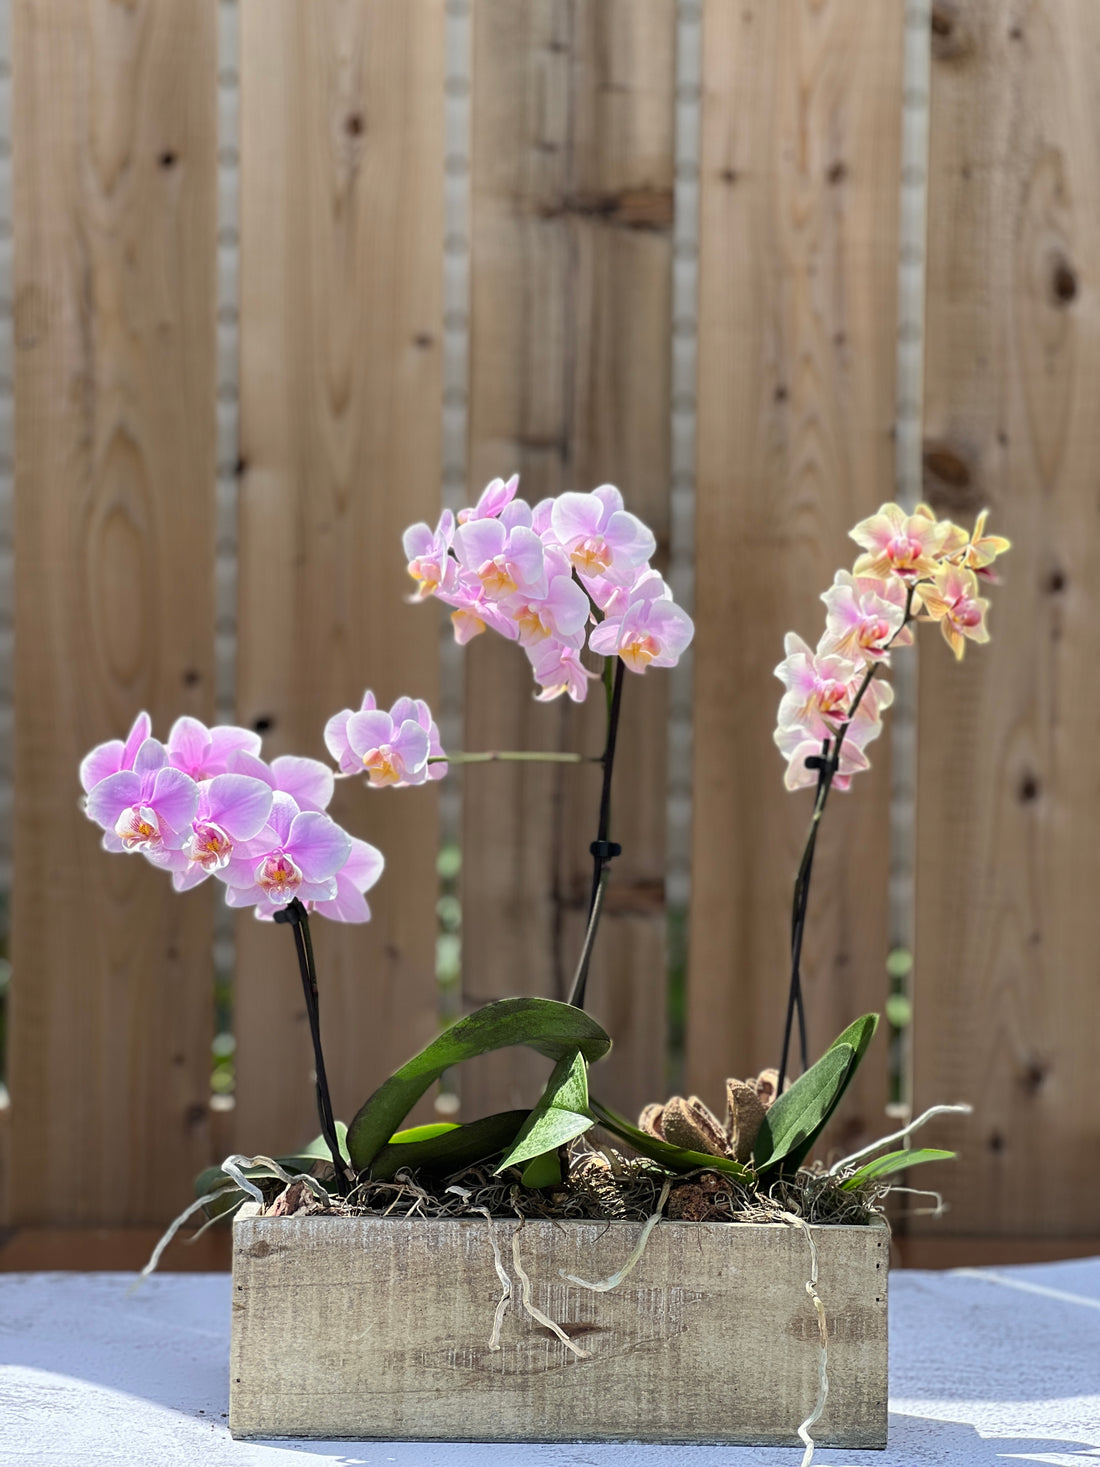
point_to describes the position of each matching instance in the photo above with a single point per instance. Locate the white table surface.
(989, 1366)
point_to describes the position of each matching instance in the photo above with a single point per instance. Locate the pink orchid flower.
(390, 751)
(232, 810)
(820, 689)
(358, 874)
(541, 517)
(147, 808)
(310, 782)
(505, 561)
(562, 613)
(558, 669)
(652, 631)
(495, 497)
(864, 617)
(613, 593)
(474, 612)
(952, 600)
(297, 854)
(428, 554)
(598, 535)
(901, 544)
(978, 551)
(204, 752)
(796, 747)
(417, 708)
(336, 734)
(115, 755)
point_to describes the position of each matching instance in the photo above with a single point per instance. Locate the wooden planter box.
(380, 1328)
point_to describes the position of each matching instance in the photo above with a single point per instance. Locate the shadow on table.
(915, 1441)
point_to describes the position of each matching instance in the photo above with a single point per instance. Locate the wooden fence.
(573, 111)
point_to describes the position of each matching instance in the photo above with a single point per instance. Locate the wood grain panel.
(801, 112)
(1008, 924)
(341, 288)
(570, 314)
(111, 1002)
(659, 1350)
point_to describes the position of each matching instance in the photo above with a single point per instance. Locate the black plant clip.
(824, 765)
(605, 850)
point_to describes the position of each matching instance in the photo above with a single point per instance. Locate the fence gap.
(681, 557)
(457, 492)
(912, 229)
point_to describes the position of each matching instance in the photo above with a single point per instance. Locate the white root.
(604, 1286)
(233, 1167)
(171, 1231)
(934, 1110)
(937, 1211)
(823, 1356)
(533, 1310)
(502, 1273)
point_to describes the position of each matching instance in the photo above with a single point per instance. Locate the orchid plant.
(567, 576)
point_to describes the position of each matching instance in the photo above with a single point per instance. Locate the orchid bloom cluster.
(913, 567)
(205, 804)
(569, 570)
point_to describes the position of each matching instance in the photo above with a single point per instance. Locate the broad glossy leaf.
(552, 1028)
(892, 1162)
(797, 1116)
(672, 1158)
(451, 1148)
(787, 1117)
(560, 1115)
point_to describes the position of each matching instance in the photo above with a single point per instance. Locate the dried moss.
(601, 1186)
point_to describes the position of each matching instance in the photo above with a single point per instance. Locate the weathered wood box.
(381, 1328)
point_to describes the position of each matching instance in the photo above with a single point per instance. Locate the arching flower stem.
(603, 850)
(827, 764)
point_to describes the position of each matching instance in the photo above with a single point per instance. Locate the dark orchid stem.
(827, 765)
(825, 769)
(296, 916)
(603, 850)
(576, 997)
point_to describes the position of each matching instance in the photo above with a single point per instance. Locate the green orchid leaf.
(450, 1149)
(892, 1162)
(423, 1133)
(800, 1114)
(553, 1029)
(672, 1158)
(317, 1150)
(542, 1171)
(560, 1115)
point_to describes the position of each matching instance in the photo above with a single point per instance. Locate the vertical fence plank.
(1008, 863)
(111, 1004)
(341, 287)
(570, 301)
(797, 305)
